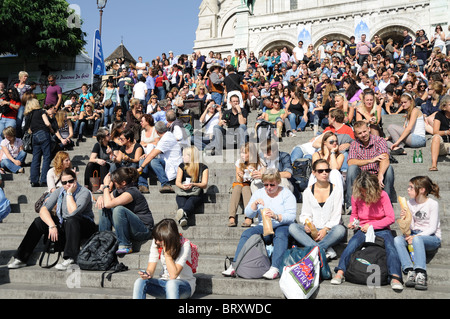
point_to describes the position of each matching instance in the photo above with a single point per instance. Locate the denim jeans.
(19, 121)
(41, 148)
(353, 172)
(334, 236)
(158, 166)
(217, 97)
(219, 132)
(4, 123)
(421, 245)
(161, 93)
(293, 119)
(160, 288)
(127, 225)
(279, 240)
(6, 163)
(107, 115)
(200, 141)
(393, 262)
(297, 153)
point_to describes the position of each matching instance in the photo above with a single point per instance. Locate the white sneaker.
(229, 272)
(272, 273)
(65, 264)
(330, 253)
(16, 264)
(181, 217)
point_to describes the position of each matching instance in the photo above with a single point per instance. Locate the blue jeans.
(4, 123)
(219, 132)
(334, 236)
(353, 172)
(217, 97)
(107, 115)
(128, 225)
(421, 245)
(143, 177)
(19, 121)
(158, 166)
(41, 148)
(294, 118)
(298, 153)
(393, 262)
(161, 93)
(6, 163)
(160, 288)
(200, 141)
(279, 240)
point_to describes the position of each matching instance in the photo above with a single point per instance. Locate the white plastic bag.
(301, 280)
(370, 235)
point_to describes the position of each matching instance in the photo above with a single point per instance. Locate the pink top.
(380, 214)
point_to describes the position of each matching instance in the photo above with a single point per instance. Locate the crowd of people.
(144, 128)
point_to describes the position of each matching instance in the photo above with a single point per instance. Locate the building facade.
(259, 25)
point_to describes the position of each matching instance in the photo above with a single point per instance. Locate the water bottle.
(415, 157)
(420, 157)
(411, 252)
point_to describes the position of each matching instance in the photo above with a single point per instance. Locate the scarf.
(60, 201)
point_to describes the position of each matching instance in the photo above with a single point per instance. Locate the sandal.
(232, 223)
(398, 151)
(433, 169)
(247, 223)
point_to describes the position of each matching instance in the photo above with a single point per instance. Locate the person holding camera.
(208, 119)
(235, 121)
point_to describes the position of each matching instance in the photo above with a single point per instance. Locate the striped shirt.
(377, 146)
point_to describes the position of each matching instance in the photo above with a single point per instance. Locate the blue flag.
(99, 62)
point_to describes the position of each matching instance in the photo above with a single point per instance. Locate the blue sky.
(148, 27)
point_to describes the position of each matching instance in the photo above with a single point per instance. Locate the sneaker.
(411, 279)
(337, 280)
(330, 253)
(124, 251)
(396, 285)
(272, 273)
(166, 189)
(229, 272)
(421, 281)
(65, 264)
(181, 217)
(16, 264)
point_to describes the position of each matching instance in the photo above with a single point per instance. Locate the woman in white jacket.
(320, 223)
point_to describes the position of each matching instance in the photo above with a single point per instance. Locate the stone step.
(217, 284)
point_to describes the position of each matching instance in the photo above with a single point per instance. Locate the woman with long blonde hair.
(61, 161)
(412, 133)
(191, 180)
(248, 166)
(371, 206)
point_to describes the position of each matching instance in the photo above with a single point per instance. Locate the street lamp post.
(101, 4)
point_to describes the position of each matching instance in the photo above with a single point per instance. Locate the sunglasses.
(332, 141)
(268, 184)
(320, 171)
(70, 181)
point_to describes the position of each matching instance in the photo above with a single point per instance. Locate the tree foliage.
(38, 28)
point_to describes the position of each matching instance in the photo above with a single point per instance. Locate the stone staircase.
(209, 232)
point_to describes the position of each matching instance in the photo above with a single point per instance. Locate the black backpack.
(368, 254)
(99, 253)
(302, 169)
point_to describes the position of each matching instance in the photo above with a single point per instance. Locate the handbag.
(301, 280)
(40, 202)
(295, 254)
(27, 141)
(52, 248)
(95, 182)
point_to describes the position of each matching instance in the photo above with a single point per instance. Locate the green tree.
(39, 28)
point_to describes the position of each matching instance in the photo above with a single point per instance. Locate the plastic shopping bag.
(301, 280)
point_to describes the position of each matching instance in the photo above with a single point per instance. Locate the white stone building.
(226, 25)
